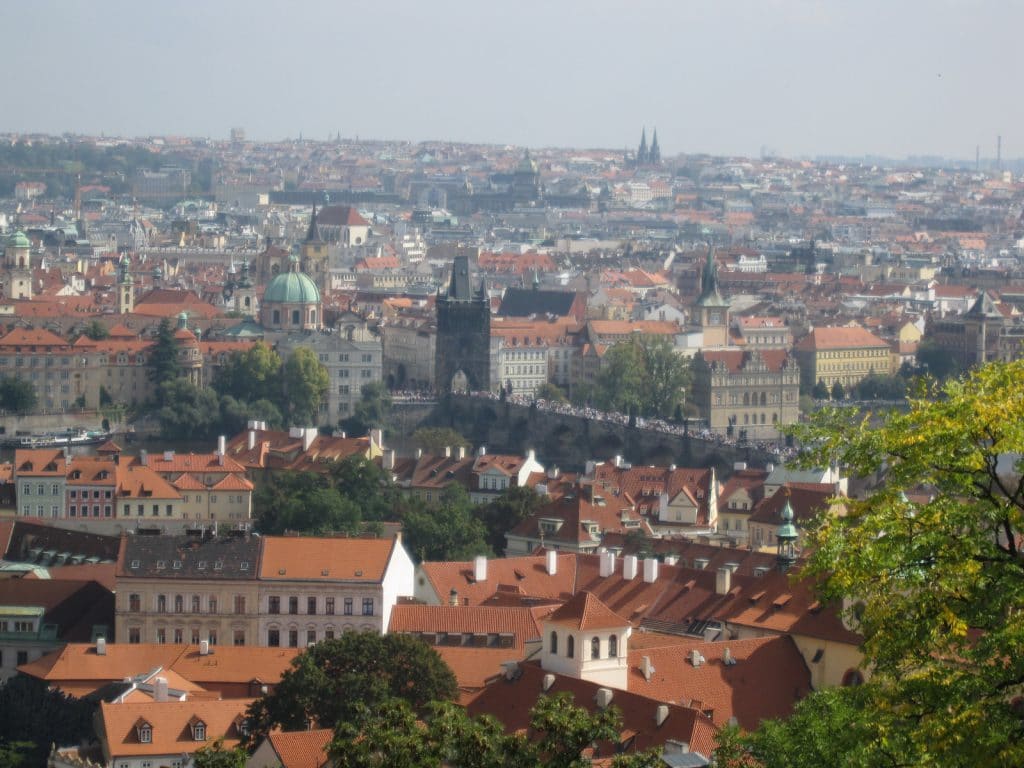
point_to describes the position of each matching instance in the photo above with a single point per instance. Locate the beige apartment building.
(845, 354)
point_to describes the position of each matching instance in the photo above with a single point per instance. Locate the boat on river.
(68, 438)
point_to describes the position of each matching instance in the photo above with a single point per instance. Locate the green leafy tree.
(188, 411)
(875, 386)
(619, 385)
(17, 395)
(838, 393)
(216, 756)
(551, 392)
(252, 375)
(36, 717)
(934, 361)
(96, 331)
(164, 361)
(365, 484)
(508, 510)
(644, 377)
(371, 412)
(566, 729)
(235, 414)
(938, 584)
(305, 382)
(435, 439)
(15, 753)
(820, 391)
(447, 531)
(330, 682)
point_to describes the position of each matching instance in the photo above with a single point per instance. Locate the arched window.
(595, 648)
(746, 398)
(277, 317)
(570, 647)
(554, 642)
(312, 316)
(853, 677)
(246, 302)
(613, 647)
(296, 317)
(764, 399)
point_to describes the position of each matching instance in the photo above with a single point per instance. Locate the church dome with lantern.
(291, 301)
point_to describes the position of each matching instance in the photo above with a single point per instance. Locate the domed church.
(291, 301)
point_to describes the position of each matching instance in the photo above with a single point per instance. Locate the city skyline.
(794, 77)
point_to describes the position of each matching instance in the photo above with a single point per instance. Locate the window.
(329, 634)
(145, 734)
(293, 638)
(239, 603)
(613, 647)
(310, 636)
(329, 606)
(179, 604)
(22, 657)
(570, 647)
(274, 638)
(134, 603)
(161, 603)
(311, 605)
(199, 731)
(367, 606)
(348, 606)
(134, 635)
(554, 643)
(293, 604)
(274, 605)
(178, 636)
(239, 637)
(595, 648)
(161, 635)
(195, 604)
(212, 637)
(212, 604)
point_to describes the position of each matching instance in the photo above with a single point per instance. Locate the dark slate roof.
(189, 557)
(27, 537)
(524, 302)
(459, 289)
(75, 607)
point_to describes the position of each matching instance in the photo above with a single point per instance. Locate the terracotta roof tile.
(585, 611)
(302, 749)
(327, 559)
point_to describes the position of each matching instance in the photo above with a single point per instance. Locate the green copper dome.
(18, 240)
(787, 531)
(292, 288)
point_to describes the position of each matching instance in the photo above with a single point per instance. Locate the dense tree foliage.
(252, 375)
(370, 412)
(505, 512)
(551, 392)
(304, 381)
(394, 734)
(17, 395)
(644, 376)
(435, 439)
(196, 413)
(337, 680)
(216, 756)
(164, 361)
(936, 362)
(446, 530)
(875, 386)
(96, 331)
(938, 583)
(35, 718)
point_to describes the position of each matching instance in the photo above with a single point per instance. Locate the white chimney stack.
(603, 697)
(168, 455)
(723, 581)
(481, 451)
(419, 454)
(204, 647)
(650, 570)
(727, 657)
(308, 436)
(388, 461)
(549, 680)
(551, 560)
(671, 559)
(448, 451)
(377, 437)
(222, 445)
(629, 567)
(647, 668)
(695, 658)
(661, 714)
(617, 462)
(101, 646)
(607, 564)
(160, 689)
(144, 457)
(480, 568)
(461, 453)
(251, 442)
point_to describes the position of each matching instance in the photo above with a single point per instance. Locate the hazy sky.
(719, 76)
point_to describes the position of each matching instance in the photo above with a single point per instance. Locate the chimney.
(481, 451)
(617, 462)
(671, 559)
(739, 466)
(727, 657)
(695, 658)
(603, 697)
(308, 436)
(551, 560)
(251, 424)
(723, 581)
(453, 597)
(511, 669)
(647, 668)
(144, 458)
(549, 680)
(607, 564)
(419, 454)
(204, 647)
(480, 568)
(661, 714)
(263, 426)
(460, 452)
(769, 468)
(222, 445)
(531, 455)
(377, 438)
(553, 473)
(650, 570)
(251, 443)
(629, 567)
(294, 432)
(168, 455)
(448, 451)
(101, 646)
(160, 689)
(388, 461)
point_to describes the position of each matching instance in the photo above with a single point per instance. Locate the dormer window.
(144, 731)
(198, 729)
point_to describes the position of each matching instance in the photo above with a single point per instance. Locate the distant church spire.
(654, 156)
(643, 154)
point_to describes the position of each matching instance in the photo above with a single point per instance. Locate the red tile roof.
(585, 611)
(844, 337)
(302, 749)
(325, 559)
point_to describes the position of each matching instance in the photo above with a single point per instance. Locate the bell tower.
(314, 254)
(125, 288)
(713, 308)
(18, 260)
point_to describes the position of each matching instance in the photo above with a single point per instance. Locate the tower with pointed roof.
(18, 260)
(245, 293)
(586, 639)
(314, 254)
(463, 351)
(654, 156)
(526, 187)
(786, 537)
(712, 307)
(643, 154)
(125, 287)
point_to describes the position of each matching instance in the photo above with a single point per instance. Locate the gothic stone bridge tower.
(463, 359)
